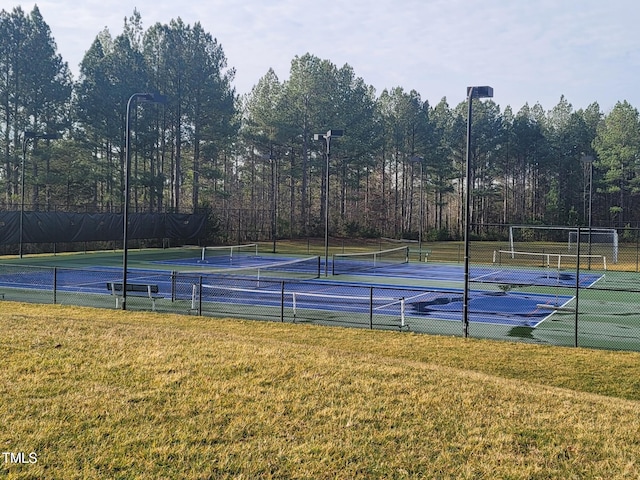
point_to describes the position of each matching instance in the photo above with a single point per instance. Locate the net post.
(293, 304)
(511, 244)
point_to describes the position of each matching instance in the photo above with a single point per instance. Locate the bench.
(135, 290)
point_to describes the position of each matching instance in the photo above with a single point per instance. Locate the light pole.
(587, 163)
(26, 136)
(472, 92)
(274, 204)
(420, 161)
(327, 137)
(146, 97)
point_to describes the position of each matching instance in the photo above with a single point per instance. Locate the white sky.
(528, 50)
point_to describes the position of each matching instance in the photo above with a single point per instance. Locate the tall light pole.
(472, 92)
(274, 204)
(420, 161)
(25, 137)
(327, 137)
(145, 97)
(587, 163)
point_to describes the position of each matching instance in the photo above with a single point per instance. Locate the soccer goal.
(602, 240)
(546, 239)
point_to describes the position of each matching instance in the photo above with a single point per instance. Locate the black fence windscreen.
(58, 227)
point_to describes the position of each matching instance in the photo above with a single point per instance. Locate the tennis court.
(403, 304)
(529, 300)
(400, 303)
(239, 281)
(480, 274)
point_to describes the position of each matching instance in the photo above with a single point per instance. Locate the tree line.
(252, 163)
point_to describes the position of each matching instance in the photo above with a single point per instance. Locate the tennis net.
(299, 269)
(344, 263)
(214, 254)
(549, 260)
(275, 297)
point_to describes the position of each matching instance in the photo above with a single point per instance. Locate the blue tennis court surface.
(420, 271)
(520, 276)
(412, 303)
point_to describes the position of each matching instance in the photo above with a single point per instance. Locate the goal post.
(598, 238)
(564, 240)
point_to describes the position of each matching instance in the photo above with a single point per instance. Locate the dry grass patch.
(109, 394)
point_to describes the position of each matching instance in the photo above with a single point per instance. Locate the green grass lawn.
(113, 394)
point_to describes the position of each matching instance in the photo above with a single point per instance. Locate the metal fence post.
(637, 248)
(200, 296)
(371, 308)
(282, 302)
(575, 340)
(55, 284)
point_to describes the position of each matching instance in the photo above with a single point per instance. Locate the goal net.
(557, 240)
(596, 241)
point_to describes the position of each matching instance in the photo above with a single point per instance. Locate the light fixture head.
(480, 92)
(45, 136)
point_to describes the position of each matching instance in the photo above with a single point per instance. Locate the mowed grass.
(123, 395)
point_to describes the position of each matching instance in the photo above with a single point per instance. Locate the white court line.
(488, 275)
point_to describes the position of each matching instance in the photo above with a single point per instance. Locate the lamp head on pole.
(329, 134)
(45, 136)
(480, 92)
(50, 136)
(587, 160)
(154, 98)
(148, 98)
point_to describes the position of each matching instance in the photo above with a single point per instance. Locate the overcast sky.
(529, 51)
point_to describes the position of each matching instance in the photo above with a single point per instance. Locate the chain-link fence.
(551, 291)
(592, 274)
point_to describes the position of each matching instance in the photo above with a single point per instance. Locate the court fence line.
(604, 314)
